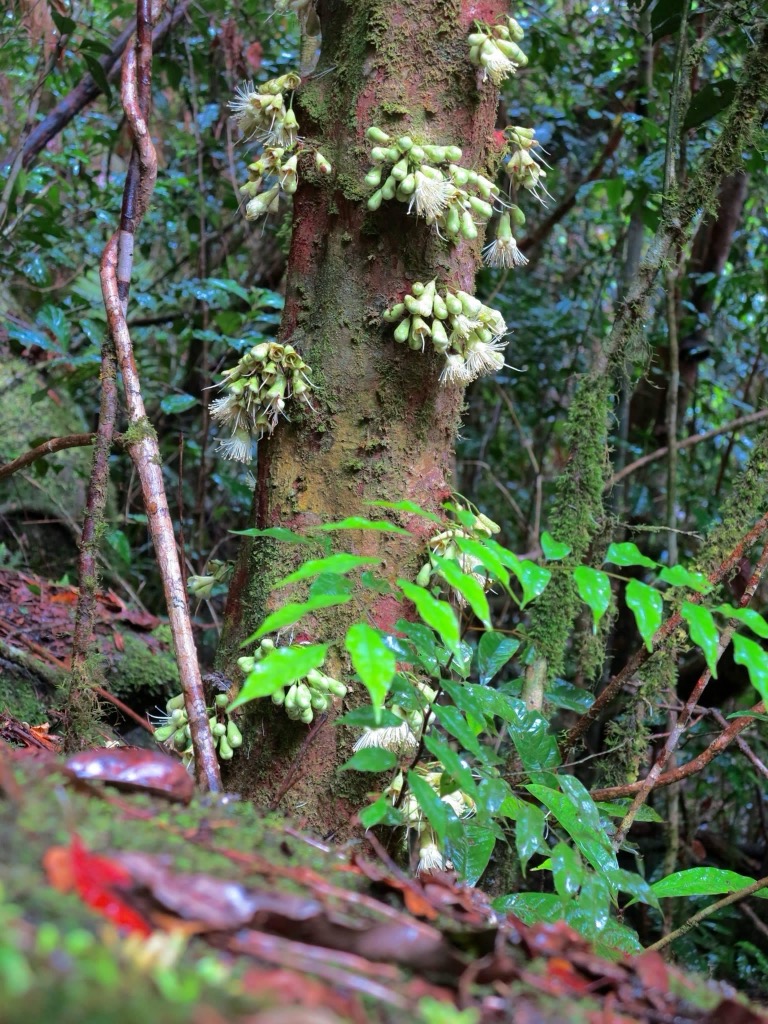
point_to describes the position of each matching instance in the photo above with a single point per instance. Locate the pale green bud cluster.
(524, 165)
(175, 731)
(457, 325)
(201, 587)
(495, 49)
(433, 183)
(444, 544)
(262, 113)
(401, 739)
(256, 392)
(312, 695)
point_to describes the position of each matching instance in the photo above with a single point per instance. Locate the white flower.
(398, 739)
(503, 252)
(238, 447)
(484, 357)
(246, 109)
(464, 325)
(430, 859)
(431, 196)
(455, 370)
(497, 66)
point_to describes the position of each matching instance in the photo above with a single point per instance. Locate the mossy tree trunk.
(382, 426)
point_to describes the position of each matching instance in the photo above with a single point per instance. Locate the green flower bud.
(164, 732)
(318, 702)
(453, 153)
(405, 143)
(178, 715)
(417, 154)
(440, 340)
(219, 729)
(515, 29)
(175, 702)
(375, 201)
(400, 170)
(388, 188)
(234, 736)
(424, 575)
(393, 314)
(439, 309)
(517, 216)
(468, 228)
(513, 51)
(452, 219)
(336, 687)
(477, 38)
(379, 155)
(323, 165)
(303, 696)
(317, 680)
(469, 304)
(377, 135)
(221, 700)
(306, 716)
(278, 696)
(226, 753)
(246, 665)
(408, 185)
(453, 304)
(373, 177)
(480, 207)
(417, 288)
(435, 154)
(180, 739)
(402, 330)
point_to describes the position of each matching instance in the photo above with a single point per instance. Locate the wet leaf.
(647, 605)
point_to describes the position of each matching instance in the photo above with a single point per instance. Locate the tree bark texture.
(382, 426)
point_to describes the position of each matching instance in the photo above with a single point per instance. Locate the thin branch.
(726, 901)
(142, 441)
(697, 764)
(55, 444)
(688, 442)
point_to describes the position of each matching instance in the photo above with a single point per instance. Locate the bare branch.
(56, 444)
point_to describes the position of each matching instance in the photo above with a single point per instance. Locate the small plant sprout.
(468, 333)
(261, 114)
(172, 729)
(431, 180)
(256, 392)
(503, 250)
(495, 49)
(303, 699)
(400, 739)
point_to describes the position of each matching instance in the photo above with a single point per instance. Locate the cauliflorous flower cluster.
(524, 166)
(401, 739)
(431, 856)
(257, 390)
(261, 114)
(446, 544)
(456, 324)
(302, 699)
(433, 183)
(173, 729)
(201, 587)
(495, 49)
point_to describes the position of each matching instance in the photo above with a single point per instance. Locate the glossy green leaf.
(331, 583)
(370, 759)
(472, 851)
(532, 578)
(530, 732)
(531, 907)
(437, 614)
(493, 652)
(360, 523)
(529, 833)
(276, 533)
(630, 882)
(592, 843)
(368, 717)
(586, 808)
(452, 763)
(647, 605)
(703, 882)
(290, 613)
(338, 563)
(752, 656)
(552, 549)
(380, 813)
(281, 667)
(617, 938)
(704, 632)
(470, 588)
(594, 587)
(628, 554)
(567, 870)
(407, 506)
(172, 404)
(455, 723)
(435, 811)
(677, 576)
(748, 616)
(481, 555)
(371, 659)
(619, 810)
(567, 695)
(712, 99)
(424, 644)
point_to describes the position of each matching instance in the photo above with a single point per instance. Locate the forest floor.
(124, 896)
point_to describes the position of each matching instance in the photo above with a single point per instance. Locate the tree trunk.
(382, 426)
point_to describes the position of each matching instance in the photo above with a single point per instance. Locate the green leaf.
(98, 75)
(339, 563)
(370, 759)
(407, 506)
(330, 583)
(367, 717)
(752, 656)
(225, 285)
(566, 695)
(647, 605)
(173, 404)
(529, 833)
(530, 907)
(372, 660)
(533, 579)
(452, 763)
(470, 855)
(455, 723)
(360, 523)
(567, 870)
(594, 589)
(630, 882)
(666, 18)
(628, 554)
(437, 614)
(65, 25)
(281, 667)
(709, 101)
(435, 811)
(619, 810)
(120, 544)
(748, 616)
(703, 630)
(466, 584)
(290, 613)
(703, 882)
(591, 842)
(380, 813)
(677, 576)
(483, 556)
(493, 652)
(530, 733)
(276, 533)
(552, 549)
(586, 807)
